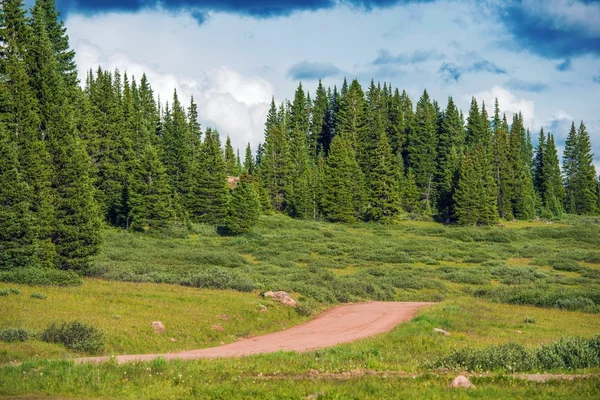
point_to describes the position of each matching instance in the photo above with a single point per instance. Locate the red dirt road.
(341, 324)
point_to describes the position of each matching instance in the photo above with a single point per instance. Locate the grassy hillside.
(525, 283)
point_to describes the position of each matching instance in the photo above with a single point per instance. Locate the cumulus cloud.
(235, 104)
(510, 104)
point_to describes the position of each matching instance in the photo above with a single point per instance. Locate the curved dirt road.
(338, 325)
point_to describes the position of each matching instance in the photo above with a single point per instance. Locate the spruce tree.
(450, 141)
(502, 168)
(243, 209)
(276, 166)
(585, 184)
(351, 116)
(410, 196)
(211, 193)
(229, 159)
(76, 233)
(476, 191)
(344, 186)
(18, 244)
(551, 188)
(248, 161)
(384, 198)
(150, 198)
(570, 168)
(522, 190)
(319, 138)
(422, 149)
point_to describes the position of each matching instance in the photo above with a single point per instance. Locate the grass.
(124, 312)
(490, 282)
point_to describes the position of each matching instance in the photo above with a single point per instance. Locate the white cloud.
(509, 104)
(235, 104)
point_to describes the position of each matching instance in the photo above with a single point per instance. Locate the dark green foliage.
(18, 245)
(568, 353)
(149, 192)
(14, 335)
(39, 296)
(229, 159)
(476, 194)
(243, 209)
(218, 278)
(343, 187)
(75, 335)
(384, 199)
(210, 191)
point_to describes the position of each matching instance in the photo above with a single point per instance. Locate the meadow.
(526, 284)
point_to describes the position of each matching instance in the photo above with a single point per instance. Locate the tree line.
(350, 155)
(76, 156)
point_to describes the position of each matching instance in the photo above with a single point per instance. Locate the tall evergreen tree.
(384, 198)
(18, 244)
(422, 148)
(229, 158)
(248, 161)
(502, 171)
(585, 183)
(211, 194)
(319, 138)
(550, 182)
(343, 187)
(522, 189)
(150, 198)
(570, 168)
(243, 209)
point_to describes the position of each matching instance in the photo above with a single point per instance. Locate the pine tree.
(229, 159)
(551, 188)
(422, 148)
(343, 187)
(150, 198)
(475, 127)
(76, 233)
(19, 110)
(522, 190)
(211, 193)
(476, 192)
(410, 196)
(570, 168)
(18, 244)
(585, 184)
(351, 116)
(248, 161)
(319, 138)
(384, 198)
(502, 168)
(243, 209)
(450, 141)
(276, 167)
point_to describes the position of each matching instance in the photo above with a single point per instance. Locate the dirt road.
(339, 325)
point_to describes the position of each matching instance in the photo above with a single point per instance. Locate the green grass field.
(487, 281)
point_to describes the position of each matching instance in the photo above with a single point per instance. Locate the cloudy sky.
(538, 56)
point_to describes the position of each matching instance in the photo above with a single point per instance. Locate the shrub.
(507, 357)
(41, 276)
(4, 292)
(568, 353)
(75, 335)
(306, 307)
(565, 265)
(14, 335)
(40, 296)
(217, 278)
(529, 320)
(576, 303)
(14, 291)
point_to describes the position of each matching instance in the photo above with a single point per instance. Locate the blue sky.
(539, 57)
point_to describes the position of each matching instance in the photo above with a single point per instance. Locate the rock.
(283, 298)
(462, 381)
(513, 220)
(158, 327)
(313, 372)
(519, 332)
(438, 330)
(173, 340)
(224, 317)
(222, 343)
(262, 308)
(217, 328)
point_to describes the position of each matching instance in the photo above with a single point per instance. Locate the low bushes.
(14, 335)
(567, 353)
(75, 335)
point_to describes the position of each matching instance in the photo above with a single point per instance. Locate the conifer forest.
(77, 156)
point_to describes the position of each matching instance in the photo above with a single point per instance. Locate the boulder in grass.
(462, 381)
(282, 296)
(158, 327)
